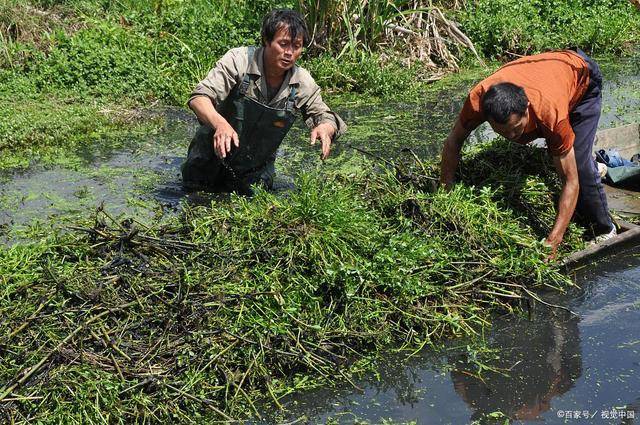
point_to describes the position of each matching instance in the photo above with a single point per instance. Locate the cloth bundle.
(611, 158)
(617, 168)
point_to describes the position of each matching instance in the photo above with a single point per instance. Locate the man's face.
(281, 54)
(513, 128)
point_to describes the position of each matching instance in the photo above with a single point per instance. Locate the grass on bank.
(224, 306)
(159, 49)
(66, 128)
(63, 63)
(504, 28)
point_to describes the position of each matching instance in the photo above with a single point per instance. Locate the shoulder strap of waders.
(242, 91)
(246, 79)
(291, 101)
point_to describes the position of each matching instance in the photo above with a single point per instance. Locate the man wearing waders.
(556, 96)
(247, 104)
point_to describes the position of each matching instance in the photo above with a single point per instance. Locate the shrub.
(105, 59)
(362, 73)
(496, 26)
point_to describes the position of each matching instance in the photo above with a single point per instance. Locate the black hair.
(288, 18)
(502, 100)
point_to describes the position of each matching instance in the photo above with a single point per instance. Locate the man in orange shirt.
(554, 95)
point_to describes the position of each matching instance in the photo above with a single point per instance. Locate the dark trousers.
(204, 170)
(592, 202)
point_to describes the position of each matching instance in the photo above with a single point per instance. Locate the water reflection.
(538, 361)
(529, 369)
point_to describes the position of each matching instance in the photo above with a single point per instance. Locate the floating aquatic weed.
(524, 181)
(202, 314)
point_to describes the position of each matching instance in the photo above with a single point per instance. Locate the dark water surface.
(533, 369)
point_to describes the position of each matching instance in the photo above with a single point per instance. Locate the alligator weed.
(524, 181)
(202, 315)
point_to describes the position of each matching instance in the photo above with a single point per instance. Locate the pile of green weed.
(251, 299)
(523, 180)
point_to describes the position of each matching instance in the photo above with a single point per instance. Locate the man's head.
(284, 34)
(507, 109)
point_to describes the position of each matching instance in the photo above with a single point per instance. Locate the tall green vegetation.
(141, 49)
(161, 48)
(500, 27)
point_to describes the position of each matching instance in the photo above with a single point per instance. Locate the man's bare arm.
(451, 153)
(568, 171)
(224, 134)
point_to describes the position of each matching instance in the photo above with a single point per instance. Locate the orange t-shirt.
(554, 83)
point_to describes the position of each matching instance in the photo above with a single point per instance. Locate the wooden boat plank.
(629, 233)
(625, 138)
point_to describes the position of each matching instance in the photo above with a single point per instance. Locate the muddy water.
(125, 181)
(529, 369)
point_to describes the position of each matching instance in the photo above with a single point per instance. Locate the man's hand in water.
(224, 134)
(223, 137)
(324, 132)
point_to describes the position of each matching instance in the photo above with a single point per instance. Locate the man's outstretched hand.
(552, 243)
(324, 132)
